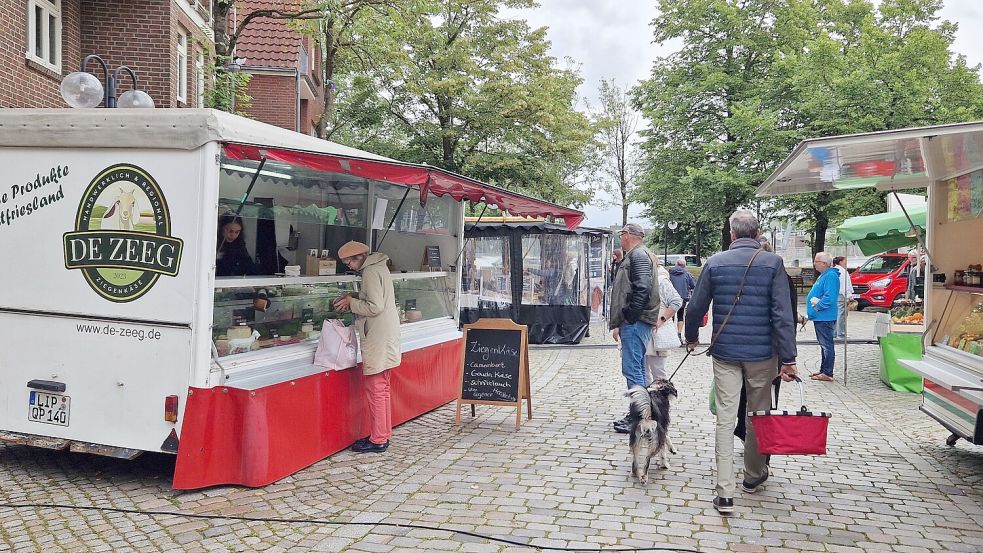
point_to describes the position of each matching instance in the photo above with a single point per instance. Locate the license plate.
(48, 408)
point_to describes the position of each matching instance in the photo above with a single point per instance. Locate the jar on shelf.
(959, 278)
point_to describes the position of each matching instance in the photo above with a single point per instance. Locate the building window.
(200, 80)
(44, 33)
(182, 67)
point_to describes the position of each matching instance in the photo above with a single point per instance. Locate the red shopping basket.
(798, 433)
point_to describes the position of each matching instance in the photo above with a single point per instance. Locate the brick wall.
(141, 35)
(25, 83)
(274, 100)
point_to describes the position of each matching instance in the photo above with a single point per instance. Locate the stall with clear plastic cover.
(946, 160)
(539, 274)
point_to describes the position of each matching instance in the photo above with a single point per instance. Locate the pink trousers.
(377, 395)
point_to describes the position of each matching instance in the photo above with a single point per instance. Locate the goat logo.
(122, 240)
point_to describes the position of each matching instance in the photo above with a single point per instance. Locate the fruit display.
(908, 312)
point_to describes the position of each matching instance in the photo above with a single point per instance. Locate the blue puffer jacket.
(763, 313)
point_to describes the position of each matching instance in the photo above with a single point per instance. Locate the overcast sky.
(611, 39)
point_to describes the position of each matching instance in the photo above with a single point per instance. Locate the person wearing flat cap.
(377, 324)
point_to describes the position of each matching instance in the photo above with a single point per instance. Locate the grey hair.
(825, 258)
(744, 224)
(681, 262)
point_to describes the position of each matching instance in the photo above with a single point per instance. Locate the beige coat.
(377, 323)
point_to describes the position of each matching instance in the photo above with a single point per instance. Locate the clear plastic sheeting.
(548, 278)
(485, 273)
(553, 270)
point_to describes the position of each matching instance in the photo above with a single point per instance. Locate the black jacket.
(635, 295)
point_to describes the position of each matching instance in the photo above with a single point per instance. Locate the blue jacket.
(762, 320)
(827, 289)
(682, 281)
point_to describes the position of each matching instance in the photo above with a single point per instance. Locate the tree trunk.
(725, 235)
(819, 238)
(220, 25)
(624, 212)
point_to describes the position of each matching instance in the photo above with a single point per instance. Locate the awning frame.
(427, 179)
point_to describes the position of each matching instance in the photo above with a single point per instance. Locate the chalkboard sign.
(491, 365)
(495, 366)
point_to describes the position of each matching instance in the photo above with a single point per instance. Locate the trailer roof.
(887, 160)
(167, 128)
(246, 139)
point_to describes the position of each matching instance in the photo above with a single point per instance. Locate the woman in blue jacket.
(821, 306)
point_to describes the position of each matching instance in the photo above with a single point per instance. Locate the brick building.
(166, 42)
(284, 67)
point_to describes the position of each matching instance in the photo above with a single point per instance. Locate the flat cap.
(353, 248)
(633, 229)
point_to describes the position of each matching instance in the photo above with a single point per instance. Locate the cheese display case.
(262, 313)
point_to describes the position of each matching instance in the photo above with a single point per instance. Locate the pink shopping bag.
(337, 346)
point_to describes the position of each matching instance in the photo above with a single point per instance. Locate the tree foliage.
(455, 85)
(756, 76)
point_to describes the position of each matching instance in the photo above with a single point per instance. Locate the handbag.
(337, 346)
(800, 432)
(664, 337)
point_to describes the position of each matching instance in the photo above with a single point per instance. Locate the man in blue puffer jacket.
(821, 306)
(744, 349)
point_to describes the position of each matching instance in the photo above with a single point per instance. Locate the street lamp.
(83, 90)
(670, 225)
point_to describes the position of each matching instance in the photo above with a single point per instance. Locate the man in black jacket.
(747, 330)
(635, 308)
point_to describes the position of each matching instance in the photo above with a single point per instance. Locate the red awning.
(427, 179)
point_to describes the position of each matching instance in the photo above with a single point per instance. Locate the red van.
(880, 280)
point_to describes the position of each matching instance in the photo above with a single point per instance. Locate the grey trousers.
(728, 377)
(841, 316)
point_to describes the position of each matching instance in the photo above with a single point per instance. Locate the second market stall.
(543, 275)
(947, 160)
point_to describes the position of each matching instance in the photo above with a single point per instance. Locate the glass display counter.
(261, 312)
(960, 328)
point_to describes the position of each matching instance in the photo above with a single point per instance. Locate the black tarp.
(565, 316)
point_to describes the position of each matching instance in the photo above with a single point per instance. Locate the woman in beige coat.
(377, 324)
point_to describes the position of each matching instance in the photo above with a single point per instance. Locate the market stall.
(539, 274)
(130, 338)
(948, 161)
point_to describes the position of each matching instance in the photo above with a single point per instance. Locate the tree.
(616, 124)
(756, 76)
(467, 90)
(706, 130)
(863, 69)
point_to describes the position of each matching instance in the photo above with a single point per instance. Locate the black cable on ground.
(334, 523)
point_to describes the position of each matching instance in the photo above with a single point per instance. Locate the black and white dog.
(649, 435)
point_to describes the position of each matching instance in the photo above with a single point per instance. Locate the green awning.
(883, 231)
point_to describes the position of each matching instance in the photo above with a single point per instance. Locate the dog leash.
(737, 299)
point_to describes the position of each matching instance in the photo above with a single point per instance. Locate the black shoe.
(369, 447)
(622, 428)
(751, 486)
(622, 421)
(723, 505)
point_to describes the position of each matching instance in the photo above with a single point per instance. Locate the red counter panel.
(256, 437)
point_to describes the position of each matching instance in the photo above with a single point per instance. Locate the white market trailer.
(947, 161)
(116, 335)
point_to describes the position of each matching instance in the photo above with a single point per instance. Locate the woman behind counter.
(231, 256)
(377, 324)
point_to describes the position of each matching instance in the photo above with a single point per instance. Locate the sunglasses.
(349, 259)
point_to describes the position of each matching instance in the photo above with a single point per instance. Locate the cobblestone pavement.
(888, 482)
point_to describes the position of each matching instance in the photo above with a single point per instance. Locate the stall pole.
(846, 335)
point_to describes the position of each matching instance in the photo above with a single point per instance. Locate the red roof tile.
(269, 42)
